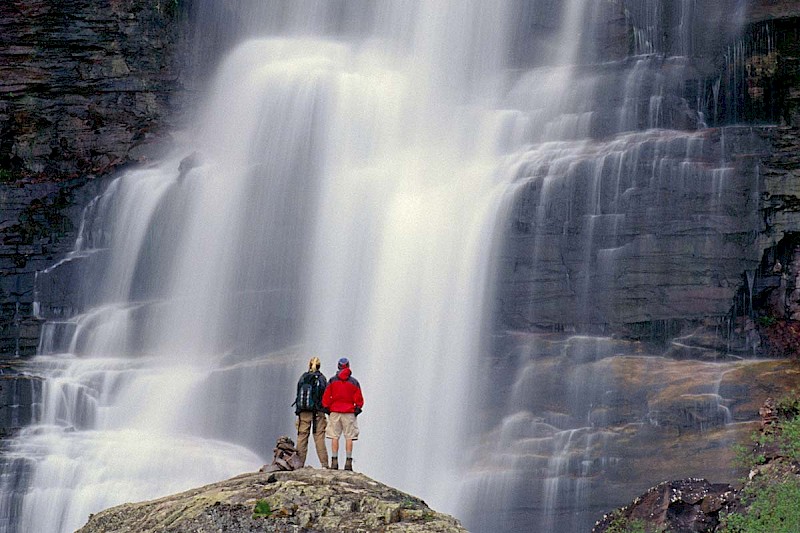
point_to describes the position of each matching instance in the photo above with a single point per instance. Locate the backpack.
(309, 394)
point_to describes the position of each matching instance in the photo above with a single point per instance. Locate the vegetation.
(6, 176)
(262, 509)
(767, 321)
(770, 497)
(771, 508)
(620, 524)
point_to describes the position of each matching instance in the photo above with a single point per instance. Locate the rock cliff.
(301, 500)
(85, 87)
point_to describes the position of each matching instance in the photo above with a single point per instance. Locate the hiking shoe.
(348, 464)
(334, 463)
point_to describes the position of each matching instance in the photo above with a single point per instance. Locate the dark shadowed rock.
(685, 506)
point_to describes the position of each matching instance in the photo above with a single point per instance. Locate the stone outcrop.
(685, 506)
(300, 500)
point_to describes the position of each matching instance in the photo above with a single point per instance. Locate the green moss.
(262, 509)
(788, 407)
(620, 524)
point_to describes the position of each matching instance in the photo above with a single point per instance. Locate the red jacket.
(343, 393)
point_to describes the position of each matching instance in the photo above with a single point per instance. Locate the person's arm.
(327, 397)
(359, 398)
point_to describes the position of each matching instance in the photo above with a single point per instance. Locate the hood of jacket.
(344, 373)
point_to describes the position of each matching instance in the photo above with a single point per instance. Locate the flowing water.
(341, 195)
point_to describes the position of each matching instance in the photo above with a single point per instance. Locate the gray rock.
(300, 500)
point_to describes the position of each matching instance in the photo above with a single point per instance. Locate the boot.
(348, 464)
(334, 463)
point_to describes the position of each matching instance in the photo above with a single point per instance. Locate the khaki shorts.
(342, 423)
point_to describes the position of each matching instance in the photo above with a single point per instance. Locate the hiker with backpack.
(343, 400)
(310, 412)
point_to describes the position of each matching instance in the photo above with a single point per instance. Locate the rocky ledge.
(294, 501)
(765, 501)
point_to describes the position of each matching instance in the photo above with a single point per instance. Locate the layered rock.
(85, 87)
(85, 83)
(301, 500)
(649, 227)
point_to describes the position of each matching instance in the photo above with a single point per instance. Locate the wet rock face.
(85, 86)
(83, 83)
(590, 422)
(38, 225)
(652, 227)
(301, 500)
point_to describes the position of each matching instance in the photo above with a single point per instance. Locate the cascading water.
(619, 214)
(339, 197)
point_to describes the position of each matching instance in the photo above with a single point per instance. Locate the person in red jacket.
(343, 400)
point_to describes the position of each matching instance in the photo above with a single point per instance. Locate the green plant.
(789, 439)
(6, 175)
(772, 509)
(746, 456)
(770, 498)
(788, 406)
(620, 524)
(262, 509)
(407, 503)
(767, 321)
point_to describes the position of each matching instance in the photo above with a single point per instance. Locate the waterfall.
(359, 177)
(337, 197)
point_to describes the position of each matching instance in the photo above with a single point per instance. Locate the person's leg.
(303, 431)
(319, 440)
(350, 435)
(333, 431)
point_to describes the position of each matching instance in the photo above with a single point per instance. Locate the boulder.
(685, 506)
(299, 500)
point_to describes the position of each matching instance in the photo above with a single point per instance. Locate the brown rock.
(686, 506)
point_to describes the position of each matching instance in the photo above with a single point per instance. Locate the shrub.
(788, 407)
(772, 508)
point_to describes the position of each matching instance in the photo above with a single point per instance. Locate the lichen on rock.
(300, 500)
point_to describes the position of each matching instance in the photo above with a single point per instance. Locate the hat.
(314, 363)
(343, 362)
